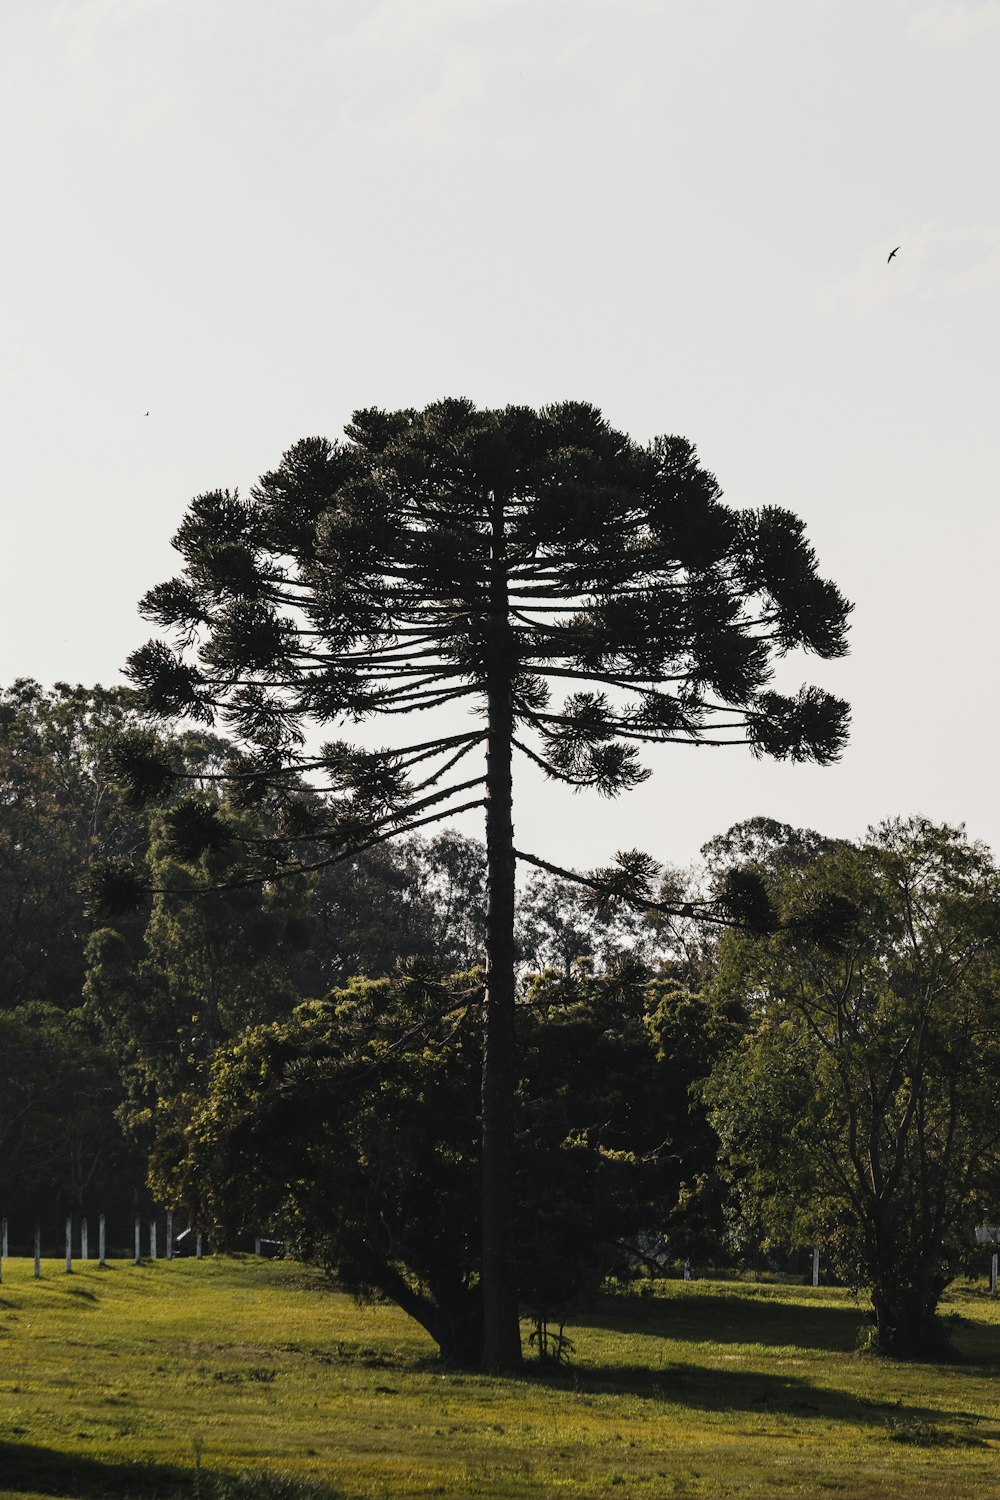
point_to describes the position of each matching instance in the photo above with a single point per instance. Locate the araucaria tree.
(451, 557)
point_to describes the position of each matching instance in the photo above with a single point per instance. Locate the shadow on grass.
(700, 1388)
(970, 1344)
(730, 1320)
(706, 1389)
(46, 1471)
(73, 1476)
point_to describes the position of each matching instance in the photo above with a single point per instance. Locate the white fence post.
(815, 1265)
(69, 1244)
(152, 1239)
(138, 1240)
(101, 1242)
(197, 1244)
(84, 1242)
(38, 1251)
(256, 1246)
(170, 1235)
(3, 1240)
(989, 1234)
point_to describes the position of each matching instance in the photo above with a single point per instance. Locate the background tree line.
(108, 1030)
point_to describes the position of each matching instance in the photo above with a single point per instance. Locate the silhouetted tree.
(456, 556)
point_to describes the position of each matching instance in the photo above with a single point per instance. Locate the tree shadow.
(968, 1343)
(74, 1476)
(47, 1471)
(706, 1388)
(730, 1320)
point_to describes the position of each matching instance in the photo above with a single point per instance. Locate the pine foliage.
(435, 552)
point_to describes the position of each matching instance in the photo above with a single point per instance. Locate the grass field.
(175, 1379)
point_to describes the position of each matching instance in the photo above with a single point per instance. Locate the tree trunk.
(907, 1283)
(906, 1322)
(501, 1326)
(453, 1321)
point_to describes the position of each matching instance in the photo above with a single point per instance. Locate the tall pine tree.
(582, 594)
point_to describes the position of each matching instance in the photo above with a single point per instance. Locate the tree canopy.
(372, 576)
(862, 1105)
(352, 1126)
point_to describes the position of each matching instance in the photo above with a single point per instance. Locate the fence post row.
(988, 1234)
(102, 1241)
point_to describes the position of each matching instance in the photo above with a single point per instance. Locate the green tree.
(58, 811)
(764, 844)
(58, 1092)
(415, 898)
(446, 876)
(167, 989)
(565, 916)
(560, 921)
(692, 1029)
(456, 556)
(612, 1130)
(353, 1125)
(863, 1105)
(364, 914)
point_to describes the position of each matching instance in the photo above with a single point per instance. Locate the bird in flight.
(892, 253)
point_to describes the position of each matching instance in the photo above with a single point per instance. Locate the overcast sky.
(247, 218)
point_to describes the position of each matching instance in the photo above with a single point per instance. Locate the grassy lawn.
(173, 1379)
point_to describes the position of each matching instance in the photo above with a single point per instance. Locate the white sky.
(250, 217)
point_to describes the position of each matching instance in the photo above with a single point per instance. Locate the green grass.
(174, 1379)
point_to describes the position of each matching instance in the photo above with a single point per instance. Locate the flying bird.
(892, 253)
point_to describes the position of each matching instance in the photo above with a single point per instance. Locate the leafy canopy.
(353, 1124)
(863, 1103)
